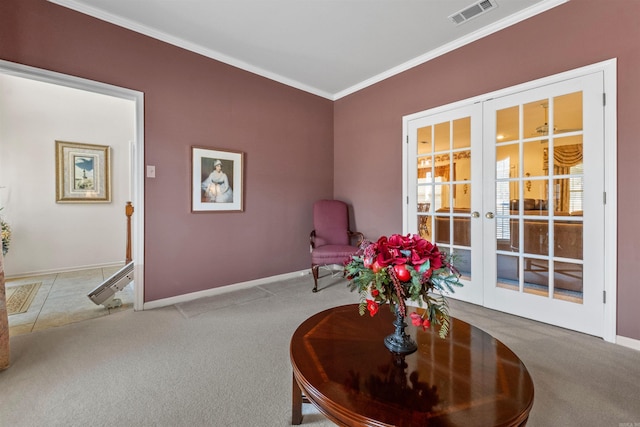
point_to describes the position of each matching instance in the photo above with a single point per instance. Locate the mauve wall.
(287, 136)
(368, 124)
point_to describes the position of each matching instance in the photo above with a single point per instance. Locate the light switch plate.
(151, 171)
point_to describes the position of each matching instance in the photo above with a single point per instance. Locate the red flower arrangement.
(399, 268)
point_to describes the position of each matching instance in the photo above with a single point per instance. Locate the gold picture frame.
(83, 173)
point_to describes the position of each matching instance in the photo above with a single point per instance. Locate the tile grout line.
(44, 302)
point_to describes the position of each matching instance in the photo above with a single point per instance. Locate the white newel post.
(4, 321)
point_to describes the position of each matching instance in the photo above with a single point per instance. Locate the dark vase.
(399, 342)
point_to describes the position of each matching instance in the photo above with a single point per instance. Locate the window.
(576, 188)
(503, 167)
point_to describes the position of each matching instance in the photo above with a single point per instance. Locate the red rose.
(372, 306)
(385, 257)
(390, 250)
(436, 261)
(416, 319)
(396, 241)
(425, 324)
(367, 262)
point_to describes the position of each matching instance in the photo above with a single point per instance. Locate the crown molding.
(456, 44)
(218, 56)
(187, 45)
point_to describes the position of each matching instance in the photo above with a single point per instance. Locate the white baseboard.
(221, 290)
(628, 342)
(65, 269)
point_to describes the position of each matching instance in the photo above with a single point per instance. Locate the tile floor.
(62, 299)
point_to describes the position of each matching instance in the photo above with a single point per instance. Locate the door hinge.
(407, 199)
(604, 99)
(604, 297)
(407, 139)
(604, 198)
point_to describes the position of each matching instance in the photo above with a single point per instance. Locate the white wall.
(49, 236)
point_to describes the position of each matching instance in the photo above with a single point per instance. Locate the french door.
(510, 186)
(445, 177)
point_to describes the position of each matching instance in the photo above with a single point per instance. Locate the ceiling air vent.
(472, 11)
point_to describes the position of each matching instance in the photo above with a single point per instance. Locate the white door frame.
(137, 152)
(609, 70)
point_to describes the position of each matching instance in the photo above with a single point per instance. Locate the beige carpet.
(223, 361)
(19, 298)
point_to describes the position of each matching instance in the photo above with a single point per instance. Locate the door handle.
(489, 215)
(475, 214)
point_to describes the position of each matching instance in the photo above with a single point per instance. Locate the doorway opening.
(129, 154)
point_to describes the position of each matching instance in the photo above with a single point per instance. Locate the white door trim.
(137, 164)
(609, 70)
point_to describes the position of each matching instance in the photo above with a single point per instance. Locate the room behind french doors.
(510, 186)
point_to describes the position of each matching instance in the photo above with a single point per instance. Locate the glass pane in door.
(567, 113)
(566, 170)
(508, 272)
(536, 276)
(425, 180)
(539, 191)
(442, 137)
(508, 124)
(462, 133)
(567, 281)
(424, 139)
(444, 188)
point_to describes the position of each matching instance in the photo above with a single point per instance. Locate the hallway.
(62, 299)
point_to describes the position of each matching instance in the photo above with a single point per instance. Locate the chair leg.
(314, 270)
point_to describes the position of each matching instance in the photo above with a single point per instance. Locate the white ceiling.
(327, 47)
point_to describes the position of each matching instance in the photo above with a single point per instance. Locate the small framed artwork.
(82, 173)
(216, 180)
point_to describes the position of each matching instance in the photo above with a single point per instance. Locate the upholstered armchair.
(331, 240)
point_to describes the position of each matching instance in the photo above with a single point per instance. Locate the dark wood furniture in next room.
(341, 366)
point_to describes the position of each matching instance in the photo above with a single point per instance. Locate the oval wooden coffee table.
(341, 366)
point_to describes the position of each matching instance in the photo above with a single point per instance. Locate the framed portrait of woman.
(217, 180)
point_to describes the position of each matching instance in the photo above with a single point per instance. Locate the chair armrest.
(312, 240)
(356, 234)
